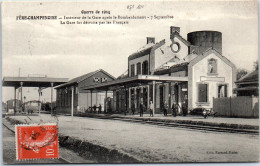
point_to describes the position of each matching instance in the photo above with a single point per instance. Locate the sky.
(46, 47)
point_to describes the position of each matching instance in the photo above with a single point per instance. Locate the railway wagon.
(31, 106)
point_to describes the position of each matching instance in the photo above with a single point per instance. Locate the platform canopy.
(33, 81)
(134, 81)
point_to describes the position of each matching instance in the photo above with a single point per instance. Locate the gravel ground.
(158, 144)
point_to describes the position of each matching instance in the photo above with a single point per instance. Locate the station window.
(202, 92)
(138, 68)
(145, 68)
(132, 70)
(222, 91)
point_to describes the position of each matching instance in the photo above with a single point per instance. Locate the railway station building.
(188, 71)
(82, 99)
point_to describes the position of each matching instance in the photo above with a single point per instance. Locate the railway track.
(186, 126)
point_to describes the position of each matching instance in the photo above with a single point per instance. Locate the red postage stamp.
(36, 141)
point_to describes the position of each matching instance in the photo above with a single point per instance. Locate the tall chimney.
(150, 40)
(175, 29)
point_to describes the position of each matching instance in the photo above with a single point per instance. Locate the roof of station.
(82, 78)
(134, 81)
(251, 77)
(249, 88)
(146, 49)
(33, 81)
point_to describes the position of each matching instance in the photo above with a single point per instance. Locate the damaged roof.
(176, 62)
(146, 49)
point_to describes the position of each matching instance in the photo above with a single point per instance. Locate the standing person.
(151, 108)
(184, 108)
(165, 108)
(125, 110)
(23, 108)
(175, 107)
(133, 108)
(162, 108)
(141, 109)
(99, 108)
(94, 108)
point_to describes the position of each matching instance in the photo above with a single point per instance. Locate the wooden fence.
(240, 106)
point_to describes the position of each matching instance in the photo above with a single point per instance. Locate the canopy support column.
(142, 96)
(21, 83)
(39, 104)
(129, 98)
(154, 105)
(51, 98)
(179, 97)
(96, 98)
(135, 98)
(72, 101)
(125, 100)
(148, 96)
(106, 102)
(14, 100)
(90, 99)
(170, 95)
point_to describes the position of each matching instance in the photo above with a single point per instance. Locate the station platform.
(242, 123)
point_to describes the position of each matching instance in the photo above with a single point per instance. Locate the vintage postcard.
(109, 82)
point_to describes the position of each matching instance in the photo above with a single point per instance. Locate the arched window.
(145, 68)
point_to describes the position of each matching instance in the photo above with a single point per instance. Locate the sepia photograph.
(130, 82)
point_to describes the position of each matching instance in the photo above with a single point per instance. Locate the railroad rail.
(181, 125)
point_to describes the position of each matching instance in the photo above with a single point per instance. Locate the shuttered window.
(203, 93)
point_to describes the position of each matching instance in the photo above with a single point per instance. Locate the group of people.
(165, 108)
(175, 106)
(95, 108)
(142, 109)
